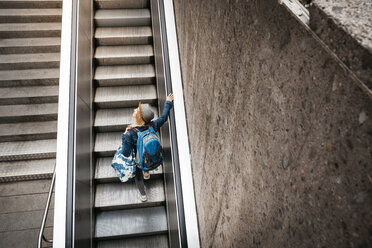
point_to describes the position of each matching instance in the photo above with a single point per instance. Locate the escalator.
(124, 76)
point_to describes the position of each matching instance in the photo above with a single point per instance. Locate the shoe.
(146, 175)
(143, 198)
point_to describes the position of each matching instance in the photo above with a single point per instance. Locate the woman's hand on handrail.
(170, 97)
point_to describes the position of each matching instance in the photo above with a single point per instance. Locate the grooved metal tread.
(131, 54)
(109, 120)
(122, 17)
(30, 12)
(28, 112)
(22, 150)
(120, 4)
(124, 96)
(29, 61)
(30, 4)
(124, 75)
(143, 242)
(126, 195)
(28, 131)
(106, 144)
(123, 35)
(30, 26)
(31, 94)
(30, 45)
(26, 170)
(29, 77)
(105, 173)
(130, 223)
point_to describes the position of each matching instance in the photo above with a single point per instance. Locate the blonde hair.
(140, 119)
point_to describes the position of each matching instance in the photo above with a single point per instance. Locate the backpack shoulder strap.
(135, 130)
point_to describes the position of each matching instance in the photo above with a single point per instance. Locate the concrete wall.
(280, 135)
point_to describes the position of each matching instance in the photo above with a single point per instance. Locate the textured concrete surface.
(22, 206)
(280, 135)
(354, 16)
(346, 28)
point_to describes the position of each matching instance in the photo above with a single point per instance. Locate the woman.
(143, 116)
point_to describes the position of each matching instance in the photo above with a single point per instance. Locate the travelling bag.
(125, 167)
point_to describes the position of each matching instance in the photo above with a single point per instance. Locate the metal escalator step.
(30, 15)
(131, 222)
(30, 4)
(30, 45)
(124, 96)
(24, 131)
(122, 36)
(125, 75)
(122, 17)
(24, 150)
(24, 188)
(120, 4)
(111, 55)
(106, 144)
(28, 30)
(10, 78)
(29, 61)
(105, 173)
(111, 196)
(28, 95)
(111, 120)
(26, 170)
(28, 112)
(158, 241)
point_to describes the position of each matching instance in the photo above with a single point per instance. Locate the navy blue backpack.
(149, 150)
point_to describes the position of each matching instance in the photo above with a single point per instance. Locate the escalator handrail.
(181, 153)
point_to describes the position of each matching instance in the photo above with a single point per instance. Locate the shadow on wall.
(280, 136)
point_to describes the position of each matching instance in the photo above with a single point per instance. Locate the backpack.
(149, 150)
(125, 167)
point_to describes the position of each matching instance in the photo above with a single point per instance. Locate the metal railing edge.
(63, 137)
(191, 222)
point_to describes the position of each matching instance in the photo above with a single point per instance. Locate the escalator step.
(26, 170)
(124, 96)
(30, 15)
(30, 45)
(111, 196)
(107, 143)
(131, 222)
(4, 4)
(105, 173)
(29, 61)
(10, 78)
(120, 4)
(111, 120)
(24, 131)
(24, 150)
(142, 242)
(29, 112)
(28, 95)
(125, 75)
(111, 55)
(122, 36)
(122, 17)
(28, 30)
